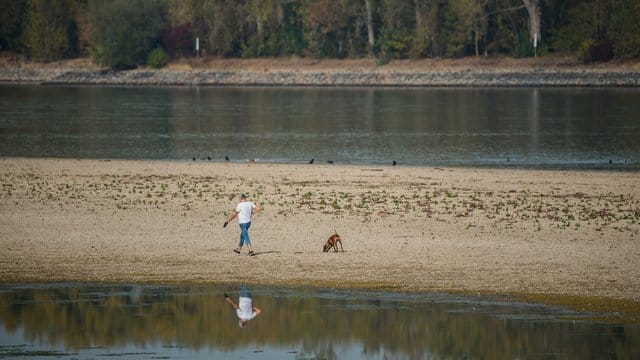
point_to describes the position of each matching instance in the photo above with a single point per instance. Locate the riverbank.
(565, 237)
(469, 72)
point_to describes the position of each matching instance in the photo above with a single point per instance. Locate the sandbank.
(529, 233)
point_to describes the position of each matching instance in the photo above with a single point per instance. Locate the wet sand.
(503, 231)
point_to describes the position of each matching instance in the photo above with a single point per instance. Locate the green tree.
(583, 23)
(12, 14)
(426, 29)
(262, 21)
(158, 58)
(50, 29)
(624, 30)
(292, 30)
(226, 27)
(460, 25)
(336, 28)
(125, 31)
(396, 30)
(505, 20)
(272, 28)
(599, 29)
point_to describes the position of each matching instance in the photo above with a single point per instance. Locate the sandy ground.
(557, 233)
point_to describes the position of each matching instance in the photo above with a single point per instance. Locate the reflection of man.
(244, 308)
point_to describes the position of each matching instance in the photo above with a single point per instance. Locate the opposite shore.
(469, 72)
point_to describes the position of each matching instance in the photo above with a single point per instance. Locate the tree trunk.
(533, 8)
(369, 24)
(476, 40)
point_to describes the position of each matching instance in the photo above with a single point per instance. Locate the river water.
(83, 321)
(529, 128)
(591, 128)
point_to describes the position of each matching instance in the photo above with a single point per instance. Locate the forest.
(123, 34)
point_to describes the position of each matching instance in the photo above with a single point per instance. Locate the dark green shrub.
(125, 31)
(392, 46)
(583, 52)
(523, 46)
(50, 32)
(158, 58)
(595, 51)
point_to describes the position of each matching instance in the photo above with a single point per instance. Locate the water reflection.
(529, 127)
(196, 322)
(244, 307)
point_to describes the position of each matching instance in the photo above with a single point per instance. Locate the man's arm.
(234, 214)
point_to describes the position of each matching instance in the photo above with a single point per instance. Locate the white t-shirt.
(245, 309)
(244, 210)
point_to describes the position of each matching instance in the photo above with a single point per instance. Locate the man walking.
(243, 212)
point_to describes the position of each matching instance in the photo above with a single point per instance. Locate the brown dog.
(332, 242)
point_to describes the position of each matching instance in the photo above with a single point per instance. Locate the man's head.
(242, 196)
(242, 323)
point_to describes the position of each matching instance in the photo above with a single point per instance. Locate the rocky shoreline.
(482, 77)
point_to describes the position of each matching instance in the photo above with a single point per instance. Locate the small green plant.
(158, 58)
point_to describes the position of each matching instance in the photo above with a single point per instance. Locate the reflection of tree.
(200, 318)
(315, 351)
(421, 126)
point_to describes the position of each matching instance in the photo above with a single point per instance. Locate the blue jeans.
(244, 234)
(244, 291)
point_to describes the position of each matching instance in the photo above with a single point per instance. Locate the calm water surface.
(65, 321)
(568, 127)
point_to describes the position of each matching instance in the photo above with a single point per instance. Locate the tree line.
(126, 33)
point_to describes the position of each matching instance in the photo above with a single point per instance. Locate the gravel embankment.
(374, 77)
